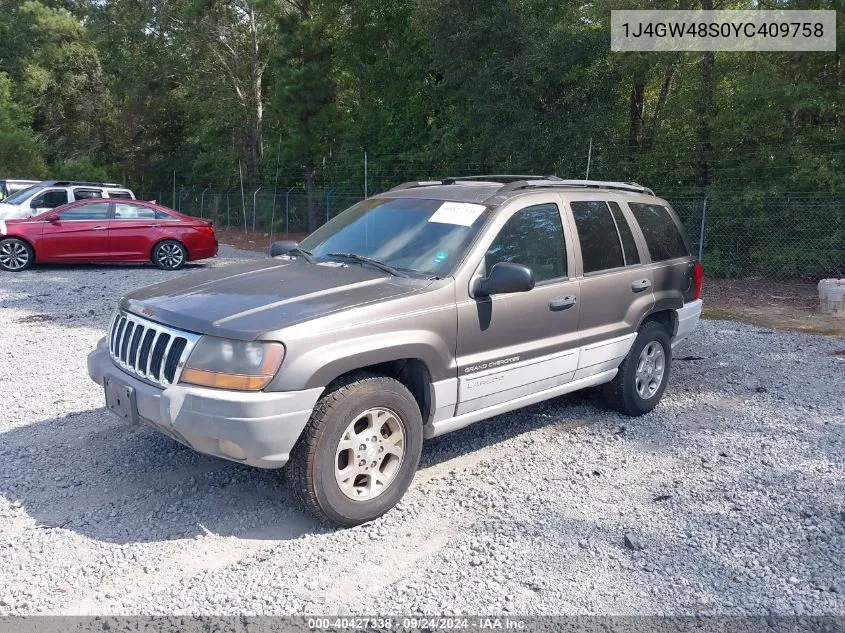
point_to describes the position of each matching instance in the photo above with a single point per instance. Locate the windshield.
(21, 195)
(410, 234)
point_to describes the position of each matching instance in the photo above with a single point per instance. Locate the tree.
(240, 36)
(20, 151)
(56, 72)
(307, 97)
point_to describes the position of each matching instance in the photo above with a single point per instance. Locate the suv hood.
(245, 301)
(10, 211)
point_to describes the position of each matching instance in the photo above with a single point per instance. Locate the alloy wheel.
(370, 454)
(651, 368)
(13, 255)
(170, 255)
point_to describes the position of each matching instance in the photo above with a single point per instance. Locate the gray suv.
(412, 314)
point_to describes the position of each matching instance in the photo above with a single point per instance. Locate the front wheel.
(170, 255)
(642, 376)
(15, 255)
(359, 451)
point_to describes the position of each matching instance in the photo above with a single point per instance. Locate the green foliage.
(20, 151)
(149, 91)
(82, 169)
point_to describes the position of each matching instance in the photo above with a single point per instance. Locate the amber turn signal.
(238, 382)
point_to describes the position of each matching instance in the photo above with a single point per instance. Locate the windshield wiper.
(306, 255)
(372, 262)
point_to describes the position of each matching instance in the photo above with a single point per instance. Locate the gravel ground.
(727, 499)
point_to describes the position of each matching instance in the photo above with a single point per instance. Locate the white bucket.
(832, 296)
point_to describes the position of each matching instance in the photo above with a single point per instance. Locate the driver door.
(77, 233)
(511, 345)
(46, 200)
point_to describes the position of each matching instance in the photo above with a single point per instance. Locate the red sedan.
(106, 230)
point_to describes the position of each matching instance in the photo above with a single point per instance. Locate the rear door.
(134, 230)
(511, 345)
(672, 262)
(616, 283)
(78, 233)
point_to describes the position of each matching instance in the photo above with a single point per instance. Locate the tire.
(15, 255)
(170, 255)
(635, 394)
(338, 485)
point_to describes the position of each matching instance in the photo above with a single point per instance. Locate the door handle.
(99, 228)
(562, 303)
(640, 285)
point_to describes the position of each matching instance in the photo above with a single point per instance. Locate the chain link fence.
(788, 236)
(784, 236)
(256, 210)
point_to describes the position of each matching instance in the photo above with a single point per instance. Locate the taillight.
(205, 230)
(697, 279)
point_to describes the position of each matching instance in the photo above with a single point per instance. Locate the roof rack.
(574, 184)
(416, 183)
(513, 182)
(502, 178)
(494, 178)
(79, 183)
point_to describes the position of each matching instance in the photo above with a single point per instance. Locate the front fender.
(307, 368)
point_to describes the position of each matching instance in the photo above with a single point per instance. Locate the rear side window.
(629, 247)
(533, 236)
(600, 245)
(87, 194)
(92, 211)
(133, 212)
(662, 236)
(124, 195)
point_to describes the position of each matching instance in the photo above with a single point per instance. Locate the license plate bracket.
(121, 400)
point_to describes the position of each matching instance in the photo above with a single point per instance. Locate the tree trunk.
(310, 178)
(255, 133)
(255, 149)
(637, 110)
(706, 110)
(663, 98)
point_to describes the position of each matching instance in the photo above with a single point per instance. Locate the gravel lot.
(727, 499)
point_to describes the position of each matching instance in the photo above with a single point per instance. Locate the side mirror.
(280, 248)
(504, 278)
(54, 218)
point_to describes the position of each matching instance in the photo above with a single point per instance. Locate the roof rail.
(574, 184)
(416, 183)
(496, 178)
(79, 183)
(503, 178)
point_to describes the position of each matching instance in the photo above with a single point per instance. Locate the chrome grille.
(150, 350)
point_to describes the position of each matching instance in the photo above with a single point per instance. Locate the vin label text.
(775, 31)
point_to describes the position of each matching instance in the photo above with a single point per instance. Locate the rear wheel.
(642, 376)
(15, 255)
(359, 451)
(170, 255)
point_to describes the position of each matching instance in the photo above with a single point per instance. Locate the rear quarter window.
(125, 195)
(662, 236)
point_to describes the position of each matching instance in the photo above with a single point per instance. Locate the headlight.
(224, 364)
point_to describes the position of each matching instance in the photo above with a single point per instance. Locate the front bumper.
(258, 429)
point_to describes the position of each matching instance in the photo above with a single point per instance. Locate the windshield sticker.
(440, 257)
(460, 213)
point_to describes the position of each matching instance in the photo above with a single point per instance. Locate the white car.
(50, 194)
